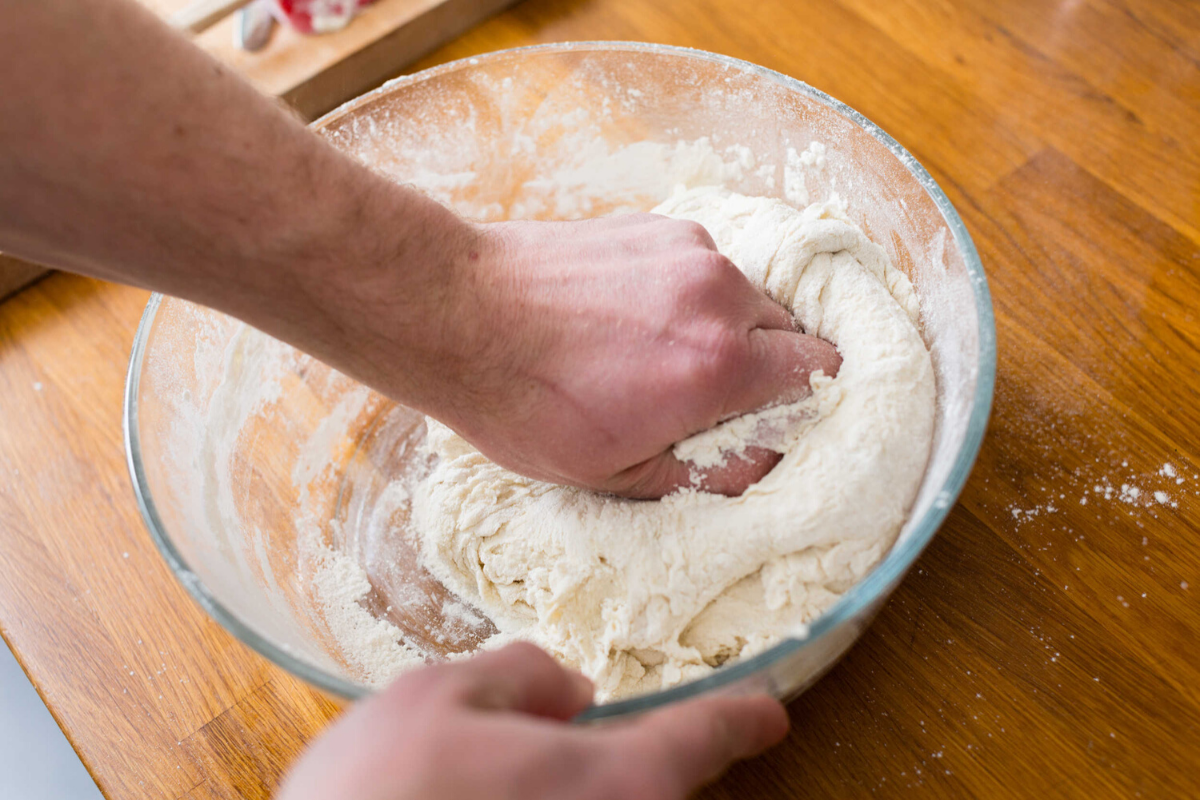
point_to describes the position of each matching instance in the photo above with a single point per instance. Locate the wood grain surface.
(1047, 643)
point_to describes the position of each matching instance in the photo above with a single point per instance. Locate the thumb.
(522, 677)
(688, 744)
(780, 365)
(664, 473)
(779, 369)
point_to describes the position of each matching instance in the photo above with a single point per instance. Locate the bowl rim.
(875, 587)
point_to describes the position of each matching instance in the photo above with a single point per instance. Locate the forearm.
(128, 154)
(572, 352)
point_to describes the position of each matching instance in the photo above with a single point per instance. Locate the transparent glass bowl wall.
(519, 134)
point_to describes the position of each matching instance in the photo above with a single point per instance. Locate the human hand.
(597, 345)
(495, 727)
(572, 352)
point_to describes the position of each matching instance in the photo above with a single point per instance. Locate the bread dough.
(643, 595)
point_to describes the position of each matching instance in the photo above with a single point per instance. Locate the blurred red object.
(318, 16)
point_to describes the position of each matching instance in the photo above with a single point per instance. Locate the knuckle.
(703, 285)
(695, 231)
(710, 277)
(646, 216)
(717, 266)
(683, 232)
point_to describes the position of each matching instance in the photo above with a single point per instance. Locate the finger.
(522, 677)
(700, 234)
(759, 308)
(779, 369)
(770, 315)
(619, 220)
(689, 744)
(764, 311)
(744, 299)
(738, 473)
(663, 474)
(651, 479)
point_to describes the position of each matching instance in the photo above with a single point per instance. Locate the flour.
(617, 180)
(644, 595)
(377, 653)
(798, 168)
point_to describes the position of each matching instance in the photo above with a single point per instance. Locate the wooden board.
(314, 74)
(1043, 647)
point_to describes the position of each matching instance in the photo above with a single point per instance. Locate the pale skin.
(577, 353)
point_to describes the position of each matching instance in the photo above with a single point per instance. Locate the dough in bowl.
(643, 595)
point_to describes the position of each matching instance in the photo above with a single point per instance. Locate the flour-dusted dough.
(643, 595)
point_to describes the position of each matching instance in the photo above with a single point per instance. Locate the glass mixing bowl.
(244, 452)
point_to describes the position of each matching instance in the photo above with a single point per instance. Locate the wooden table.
(1046, 645)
